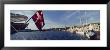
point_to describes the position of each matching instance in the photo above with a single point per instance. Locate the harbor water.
(46, 35)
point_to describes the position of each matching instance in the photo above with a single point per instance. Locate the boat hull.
(17, 26)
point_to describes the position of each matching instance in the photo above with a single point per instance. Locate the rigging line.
(14, 28)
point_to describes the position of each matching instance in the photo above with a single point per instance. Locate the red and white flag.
(38, 19)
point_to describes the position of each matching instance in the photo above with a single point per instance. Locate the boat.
(17, 22)
(81, 33)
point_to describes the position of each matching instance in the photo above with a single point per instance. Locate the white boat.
(80, 33)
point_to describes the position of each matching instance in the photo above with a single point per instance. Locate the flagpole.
(28, 20)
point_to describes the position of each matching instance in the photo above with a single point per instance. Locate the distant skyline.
(61, 18)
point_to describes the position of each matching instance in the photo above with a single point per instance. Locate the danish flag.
(38, 19)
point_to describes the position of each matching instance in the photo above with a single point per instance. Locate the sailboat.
(82, 31)
(86, 33)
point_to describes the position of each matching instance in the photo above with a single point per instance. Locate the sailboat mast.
(86, 17)
(80, 21)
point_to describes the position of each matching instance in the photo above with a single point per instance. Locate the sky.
(61, 18)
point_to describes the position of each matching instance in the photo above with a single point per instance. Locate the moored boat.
(16, 22)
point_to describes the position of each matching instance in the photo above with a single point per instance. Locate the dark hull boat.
(17, 26)
(16, 22)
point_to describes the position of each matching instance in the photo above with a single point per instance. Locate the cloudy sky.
(61, 18)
